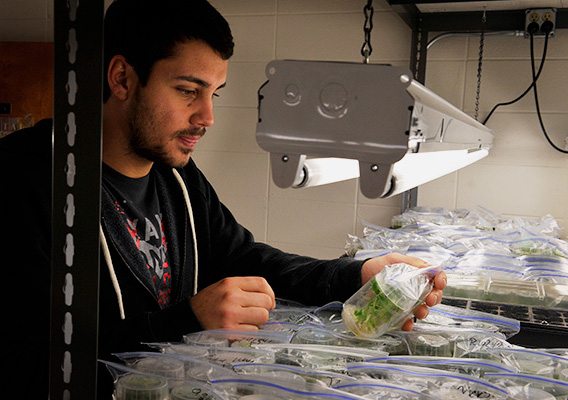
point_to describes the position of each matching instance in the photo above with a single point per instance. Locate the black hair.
(146, 31)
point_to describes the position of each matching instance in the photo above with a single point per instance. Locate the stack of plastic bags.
(308, 353)
(486, 256)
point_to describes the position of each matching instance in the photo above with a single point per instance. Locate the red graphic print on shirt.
(150, 238)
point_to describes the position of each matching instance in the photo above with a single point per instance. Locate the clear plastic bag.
(481, 219)
(466, 343)
(543, 246)
(378, 241)
(463, 245)
(285, 303)
(232, 338)
(554, 278)
(529, 293)
(318, 357)
(447, 234)
(533, 362)
(388, 299)
(431, 253)
(562, 351)
(375, 389)
(546, 268)
(259, 388)
(428, 344)
(296, 316)
(497, 257)
(321, 336)
(280, 327)
(330, 313)
(443, 384)
(469, 366)
(300, 375)
(191, 368)
(223, 356)
(544, 226)
(491, 262)
(181, 349)
(132, 384)
(157, 364)
(545, 263)
(445, 315)
(529, 387)
(535, 245)
(436, 215)
(374, 253)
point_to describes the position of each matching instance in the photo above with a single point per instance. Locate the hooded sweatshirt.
(205, 245)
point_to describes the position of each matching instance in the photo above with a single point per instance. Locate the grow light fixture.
(369, 121)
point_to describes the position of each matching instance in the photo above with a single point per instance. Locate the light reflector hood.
(375, 114)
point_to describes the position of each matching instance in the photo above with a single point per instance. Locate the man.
(173, 258)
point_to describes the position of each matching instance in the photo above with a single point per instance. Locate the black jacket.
(225, 248)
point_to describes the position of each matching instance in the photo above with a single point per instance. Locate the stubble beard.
(143, 125)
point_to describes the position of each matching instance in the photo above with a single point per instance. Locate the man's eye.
(187, 92)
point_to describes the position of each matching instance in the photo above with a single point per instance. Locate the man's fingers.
(421, 312)
(234, 303)
(441, 281)
(395, 258)
(250, 316)
(255, 316)
(257, 299)
(408, 325)
(257, 289)
(434, 298)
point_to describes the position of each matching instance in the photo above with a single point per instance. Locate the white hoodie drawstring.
(192, 224)
(113, 278)
(106, 252)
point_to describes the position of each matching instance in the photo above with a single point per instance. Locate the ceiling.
(432, 6)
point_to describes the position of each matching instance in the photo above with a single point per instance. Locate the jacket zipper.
(184, 258)
(182, 267)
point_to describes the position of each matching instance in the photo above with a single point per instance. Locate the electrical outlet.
(533, 16)
(548, 16)
(536, 17)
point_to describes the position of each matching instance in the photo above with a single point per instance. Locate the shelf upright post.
(418, 58)
(78, 58)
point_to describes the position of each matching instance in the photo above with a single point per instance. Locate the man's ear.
(121, 77)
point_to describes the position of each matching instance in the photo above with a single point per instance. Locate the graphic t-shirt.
(136, 199)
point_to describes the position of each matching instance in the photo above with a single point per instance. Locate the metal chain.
(367, 49)
(480, 63)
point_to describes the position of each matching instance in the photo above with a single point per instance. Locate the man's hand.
(234, 303)
(375, 265)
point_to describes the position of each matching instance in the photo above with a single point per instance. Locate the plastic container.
(430, 345)
(141, 387)
(387, 300)
(168, 367)
(185, 350)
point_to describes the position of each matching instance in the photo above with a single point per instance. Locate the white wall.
(523, 175)
(312, 221)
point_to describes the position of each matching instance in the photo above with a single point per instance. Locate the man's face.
(169, 115)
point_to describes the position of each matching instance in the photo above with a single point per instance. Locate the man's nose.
(203, 114)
